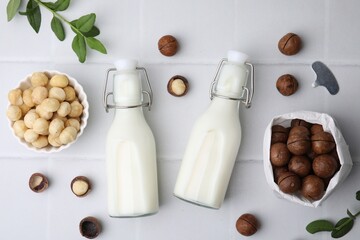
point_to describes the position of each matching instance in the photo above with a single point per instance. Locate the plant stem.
(357, 214)
(60, 17)
(347, 222)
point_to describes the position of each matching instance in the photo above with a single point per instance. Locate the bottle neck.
(232, 78)
(127, 88)
(225, 106)
(129, 113)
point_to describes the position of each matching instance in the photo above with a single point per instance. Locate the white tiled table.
(206, 29)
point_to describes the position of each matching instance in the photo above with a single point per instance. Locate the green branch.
(83, 27)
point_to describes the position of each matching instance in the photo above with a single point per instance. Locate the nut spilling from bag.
(304, 158)
(48, 112)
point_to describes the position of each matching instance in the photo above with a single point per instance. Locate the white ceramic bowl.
(25, 83)
(342, 148)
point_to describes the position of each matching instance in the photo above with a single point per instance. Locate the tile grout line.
(327, 30)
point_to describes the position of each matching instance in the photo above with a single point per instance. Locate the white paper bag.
(329, 125)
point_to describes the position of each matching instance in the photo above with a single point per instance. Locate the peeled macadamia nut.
(80, 186)
(41, 126)
(30, 118)
(70, 94)
(76, 109)
(42, 113)
(39, 94)
(56, 126)
(30, 136)
(24, 109)
(27, 98)
(50, 105)
(54, 141)
(247, 224)
(14, 113)
(57, 93)
(39, 79)
(59, 80)
(72, 122)
(64, 109)
(41, 142)
(68, 135)
(19, 128)
(15, 97)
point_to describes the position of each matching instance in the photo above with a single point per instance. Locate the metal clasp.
(247, 93)
(106, 94)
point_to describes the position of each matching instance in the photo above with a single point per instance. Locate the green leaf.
(358, 195)
(59, 5)
(86, 22)
(79, 47)
(342, 227)
(319, 226)
(93, 32)
(58, 28)
(96, 45)
(33, 15)
(11, 9)
(62, 5)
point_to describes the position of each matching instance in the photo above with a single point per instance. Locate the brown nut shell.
(90, 227)
(324, 166)
(80, 186)
(168, 45)
(289, 182)
(316, 128)
(298, 144)
(247, 224)
(299, 130)
(290, 44)
(301, 165)
(313, 187)
(178, 86)
(279, 154)
(38, 182)
(277, 171)
(300, 122)
(322, 142)
(279, 134)
(287, 84)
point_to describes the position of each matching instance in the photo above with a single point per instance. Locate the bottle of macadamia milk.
(215, 138)
(130, 149)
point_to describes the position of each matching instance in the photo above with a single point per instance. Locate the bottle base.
(134, 216)
(197, 203)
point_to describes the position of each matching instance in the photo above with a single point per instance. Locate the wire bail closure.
(106, 94)
(249, 93)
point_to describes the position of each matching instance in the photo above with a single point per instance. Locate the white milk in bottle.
(215, 139)
(130, 149)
